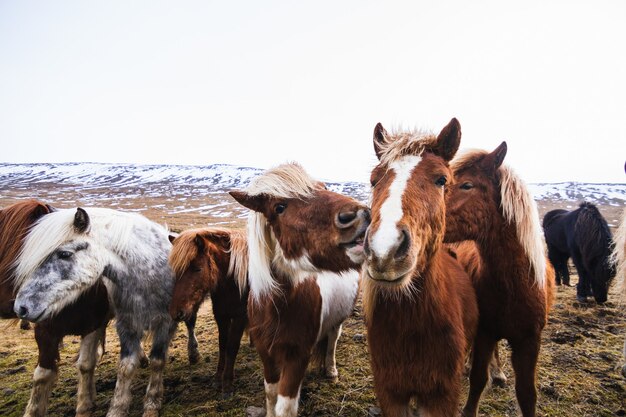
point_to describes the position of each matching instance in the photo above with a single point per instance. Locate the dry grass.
(577, 373)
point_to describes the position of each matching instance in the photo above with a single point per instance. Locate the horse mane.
(518, 208)
(56, 228)
(596, 237)
(284, 181)
(15, 220)
(185, 250)
(618, 257)
(400, 143)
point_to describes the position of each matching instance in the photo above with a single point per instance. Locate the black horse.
(583, 235)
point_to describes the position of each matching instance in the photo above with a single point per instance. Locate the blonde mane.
(618, 257)
(518, 208)
(56, 228)
(285, 181)
(185, 250)
(401, 143)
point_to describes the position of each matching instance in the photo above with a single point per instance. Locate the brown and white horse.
(213, 261)
(619, 258)
(490, 205)
(420, 306)
(87, 317)
(305, 249)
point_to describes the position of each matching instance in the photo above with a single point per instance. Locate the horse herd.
(448, 255)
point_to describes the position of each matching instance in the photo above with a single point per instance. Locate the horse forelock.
(519, 208)
(184, 250)
(288, 180)
(110, 228)
(401, 143)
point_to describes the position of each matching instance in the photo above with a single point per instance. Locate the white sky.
(258, 83)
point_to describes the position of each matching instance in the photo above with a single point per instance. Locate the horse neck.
(502, 252)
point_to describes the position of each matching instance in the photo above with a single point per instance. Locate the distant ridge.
(222, 177)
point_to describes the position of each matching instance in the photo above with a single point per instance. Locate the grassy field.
(577, 373)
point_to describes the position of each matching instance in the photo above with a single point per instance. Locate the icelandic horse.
(69, 251)
(491, 206)
(213, 261)
(305, 250)
(618, 259)
(420, 307)
(87, 317)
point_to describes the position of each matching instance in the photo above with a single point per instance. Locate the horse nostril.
(346, 218)
(180, 315)
(23, 312)
(405, 244)
(366, 243)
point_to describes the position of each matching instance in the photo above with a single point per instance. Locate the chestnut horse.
(87, 317)
(420, 307)
(213, 261)
(490, 205)
(619, 259)
(305, 249)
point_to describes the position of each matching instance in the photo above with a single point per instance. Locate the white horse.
(68, 251)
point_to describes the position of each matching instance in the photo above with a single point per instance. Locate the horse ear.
(448, 140)
(221, 237)
(380, 138)
(40, 210)
(171, 238)
(492, 161)
(253, 202)
(81, 220)
(199, 240)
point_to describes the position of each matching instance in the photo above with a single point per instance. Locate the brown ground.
(577, 374)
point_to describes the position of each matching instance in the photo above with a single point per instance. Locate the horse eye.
(64, 254)
(195, 268)
(467, 186)
(441, 181)
(280, 208)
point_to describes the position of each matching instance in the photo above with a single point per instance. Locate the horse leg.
(87, 359)
(583, 288)
(192, 341)
(524, 359)
(271, 375)
(130, 355)
(393, 404)
(45, 374)
(495, 370)
(289, 386)
(162, 334)
(237, 326)
(330, 362)
(223, 327)
(484, 346)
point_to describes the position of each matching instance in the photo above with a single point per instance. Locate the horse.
(213, 261)
(69, 251)
(491, 206)
(420, 307)
(618, 259)
(87, 317)
(582, 234)
(304, 252)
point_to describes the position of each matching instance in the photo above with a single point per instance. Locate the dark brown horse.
(87, 318)
(305, 248)
(421, 311)
(490, 205)
(213, 261)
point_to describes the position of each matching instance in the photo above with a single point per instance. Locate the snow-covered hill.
(219, 178)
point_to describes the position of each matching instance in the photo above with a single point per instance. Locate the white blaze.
(387, 235)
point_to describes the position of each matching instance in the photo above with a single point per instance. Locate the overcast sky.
(258, 83)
